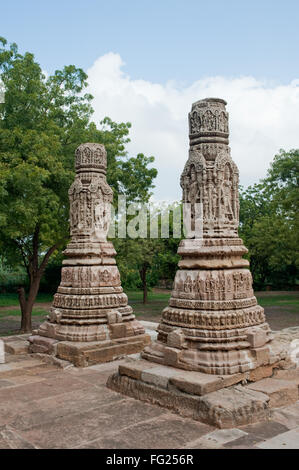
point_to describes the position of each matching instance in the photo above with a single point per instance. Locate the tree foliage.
(42, 121)
(269, 223)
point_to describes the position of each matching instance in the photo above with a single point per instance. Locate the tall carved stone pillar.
(90, 320)
(213, 323)
(214, 356)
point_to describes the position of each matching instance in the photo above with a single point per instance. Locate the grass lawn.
(290, 300)
(152, 310)
(36, 312)
(7, 300)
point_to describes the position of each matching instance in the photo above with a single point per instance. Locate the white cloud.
(263, 118)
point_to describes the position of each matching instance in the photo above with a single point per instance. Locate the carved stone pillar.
(213, 323)
(90, 320)
(213, 342)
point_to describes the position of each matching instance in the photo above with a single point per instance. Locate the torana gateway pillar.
(90, 320)
(214, 352)
(213, 323)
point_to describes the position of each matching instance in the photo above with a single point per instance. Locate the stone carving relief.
(90, 207)
(213, 285)
(91, 156)
(214, 185)
(208, 120)
(85, 276)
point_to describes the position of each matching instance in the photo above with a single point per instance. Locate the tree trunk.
(24, 317)
(144, 283)
(35, 273)
(27, 304)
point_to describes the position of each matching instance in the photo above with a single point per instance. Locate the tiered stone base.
(90, 321)
(210, 362)
(84, 354)
(212, 323)
(223, 401)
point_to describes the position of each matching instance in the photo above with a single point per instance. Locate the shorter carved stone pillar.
(90, 320)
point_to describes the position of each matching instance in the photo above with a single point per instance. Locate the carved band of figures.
(208, 121)
(207, 336)
(93, 155)
(110, 300)
(89, 290)
(99, 313)
(195, 304)
(85, 276)
(221, 320)
(209, 283)
(225, 242)
(90, 206)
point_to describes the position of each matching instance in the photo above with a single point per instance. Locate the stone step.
(281, 392)
(16, 347)
(16, 344)
(291, 375)
(196, 383)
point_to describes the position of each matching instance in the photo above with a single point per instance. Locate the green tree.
(139, 255)
(42, 121)
(269, 222)
(154, 256)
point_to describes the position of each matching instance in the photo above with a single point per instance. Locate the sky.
(148, 61)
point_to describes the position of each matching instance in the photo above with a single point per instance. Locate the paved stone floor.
(43, 406)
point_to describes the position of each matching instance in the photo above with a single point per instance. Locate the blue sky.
(182, 40)
(147, 61)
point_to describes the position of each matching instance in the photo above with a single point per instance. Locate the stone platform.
(222, 401)
(46, 406)
(84, 354)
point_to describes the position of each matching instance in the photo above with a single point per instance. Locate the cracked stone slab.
(287, 416)
(281, 392)
(286, 440)
(27, 362)
(11, 440)
(223, 436)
